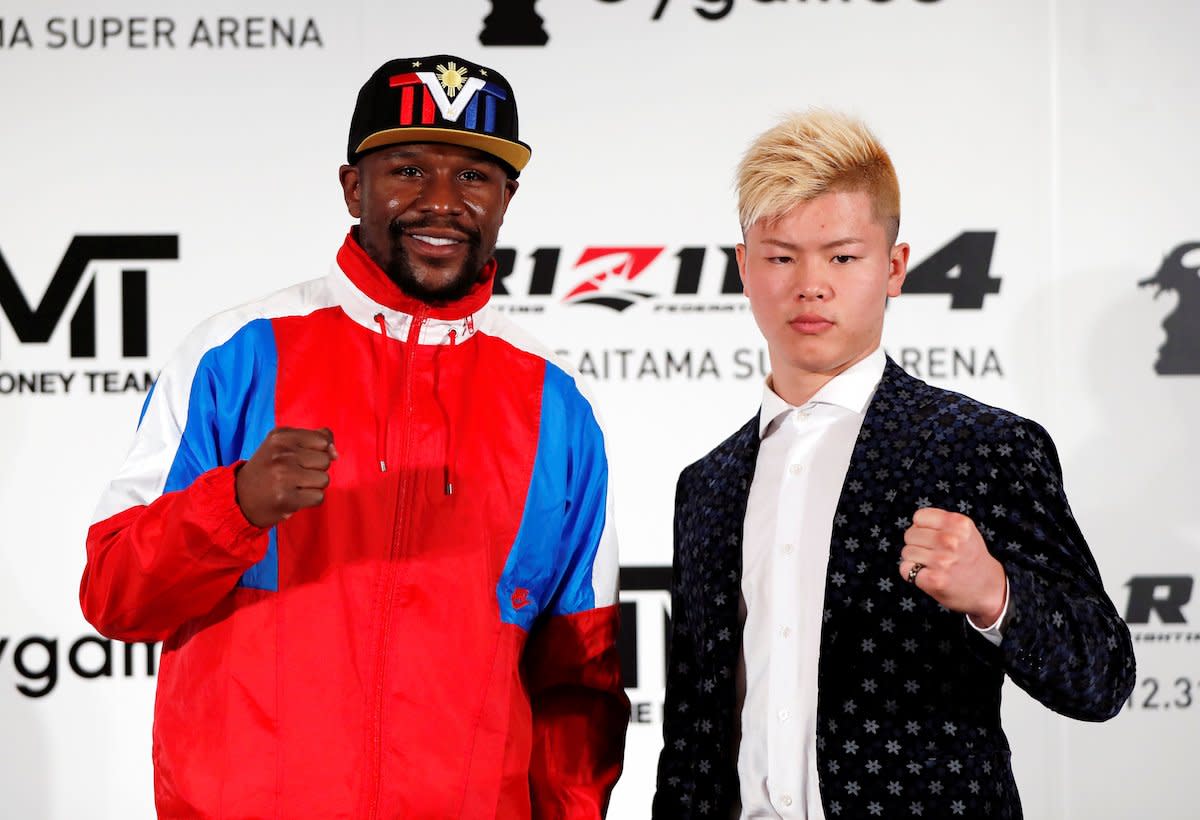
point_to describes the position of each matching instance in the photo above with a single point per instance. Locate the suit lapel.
(725, 491)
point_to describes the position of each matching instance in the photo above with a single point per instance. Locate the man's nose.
(440, 195)
(810, 284)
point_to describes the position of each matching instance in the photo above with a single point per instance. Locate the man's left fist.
(953, 565)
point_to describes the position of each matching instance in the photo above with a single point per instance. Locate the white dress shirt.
(802, 462)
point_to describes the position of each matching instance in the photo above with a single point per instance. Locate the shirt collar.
(851, 389)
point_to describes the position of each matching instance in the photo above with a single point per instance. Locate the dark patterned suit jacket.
(908, 704)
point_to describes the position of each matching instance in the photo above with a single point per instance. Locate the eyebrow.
(791, 246)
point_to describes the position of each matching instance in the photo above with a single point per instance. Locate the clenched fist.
(953, 566)
(288, 472)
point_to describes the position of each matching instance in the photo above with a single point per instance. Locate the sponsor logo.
(630, 279)
(1179, 274)
(36, 324)
(1156, 604)
(645, 640)
(618, 277)
(1157, 614)
(160, 33)
(700, 278)
(87, 258)
(513, 23)
(37, 661)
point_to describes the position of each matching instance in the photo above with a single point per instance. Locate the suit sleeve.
(169, 540)
(1064, 642)
(572, 662)
(674, 761)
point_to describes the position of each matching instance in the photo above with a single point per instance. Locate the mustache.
(399, 227)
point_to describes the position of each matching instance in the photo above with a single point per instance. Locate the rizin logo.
(618, 277)
(702, 279)
(513, 23)
(614, 267)
(1180, 272)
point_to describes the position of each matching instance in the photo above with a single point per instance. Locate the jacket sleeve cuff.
(215, 492)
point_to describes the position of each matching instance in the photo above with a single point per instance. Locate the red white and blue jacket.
(435, 640)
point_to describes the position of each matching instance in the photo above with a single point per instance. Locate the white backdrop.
(1050, 146)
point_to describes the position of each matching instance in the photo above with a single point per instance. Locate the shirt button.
(795, 469)
(786, 632)
(786, 800)
(784, 714)
(787, 549)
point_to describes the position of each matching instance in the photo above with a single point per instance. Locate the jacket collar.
(366, 294)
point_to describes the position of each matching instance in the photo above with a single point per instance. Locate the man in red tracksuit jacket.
(371, 520)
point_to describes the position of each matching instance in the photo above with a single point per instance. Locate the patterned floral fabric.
(908, 694)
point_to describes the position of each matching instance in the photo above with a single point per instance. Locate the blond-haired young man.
(860, 565)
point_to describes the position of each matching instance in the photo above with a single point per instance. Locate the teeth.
(435, 240)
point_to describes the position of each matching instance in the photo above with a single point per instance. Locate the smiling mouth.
(435, 240)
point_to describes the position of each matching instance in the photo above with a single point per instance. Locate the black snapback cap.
(442, 98)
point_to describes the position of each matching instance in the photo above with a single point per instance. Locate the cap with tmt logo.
(442, 98)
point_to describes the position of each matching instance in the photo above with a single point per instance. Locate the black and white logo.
(1180, 274)
(36, 323)
(70, 298)
(513, 23)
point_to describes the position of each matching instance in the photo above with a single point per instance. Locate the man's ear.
(897, 268)
(350, 177)
(740, 251)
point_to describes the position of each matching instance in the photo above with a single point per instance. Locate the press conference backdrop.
(163, 161)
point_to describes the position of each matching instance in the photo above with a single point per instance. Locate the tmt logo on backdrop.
(645, 639)
(1180, 272)
(35, 325)
(35, 321)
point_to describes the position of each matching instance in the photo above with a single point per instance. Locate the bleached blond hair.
(810, 154)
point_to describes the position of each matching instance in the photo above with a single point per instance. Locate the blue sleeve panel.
(231, 409)
(549, 568)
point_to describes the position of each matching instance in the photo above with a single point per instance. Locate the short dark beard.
(400, 270)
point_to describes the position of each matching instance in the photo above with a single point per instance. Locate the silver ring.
(912, 573)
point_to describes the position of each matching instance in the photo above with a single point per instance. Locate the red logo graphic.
(520, 598)
(612, 267)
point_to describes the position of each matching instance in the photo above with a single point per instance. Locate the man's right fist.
(288, 472)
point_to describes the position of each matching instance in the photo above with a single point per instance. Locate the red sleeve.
(580, 713)
(153, 567)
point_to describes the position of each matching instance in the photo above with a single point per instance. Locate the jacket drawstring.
(383, 398)
(449, 455)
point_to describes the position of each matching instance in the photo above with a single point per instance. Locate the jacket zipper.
(391, 570)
